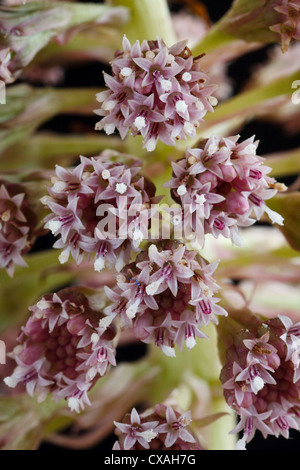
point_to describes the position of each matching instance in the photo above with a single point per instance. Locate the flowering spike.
(63, 349)
(261, 379)
(155, 91)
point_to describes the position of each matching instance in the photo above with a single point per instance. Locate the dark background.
(272, 139)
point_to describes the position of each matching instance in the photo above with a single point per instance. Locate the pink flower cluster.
(155, 91)
(63, 349)
(166, 296)
(160, 429)
(261, 379)
(81, 200)
(289, 27)
(17, 226)
(222, 185)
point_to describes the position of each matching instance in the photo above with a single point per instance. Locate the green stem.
(45, 149)
(220, 437)
(149, 19)
(81, 100)
(43, 274)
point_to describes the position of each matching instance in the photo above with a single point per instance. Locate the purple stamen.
(205, 307)
(167, 271)
(189, 332)
(30, 376)
(68, 219)
(255, 199)
(219, 224)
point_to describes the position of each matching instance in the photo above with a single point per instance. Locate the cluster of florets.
(17, 226)
(155, 91)
(63, 349)
(163, 428)
(100, 209)
(166, 296)
(289, 26)
(261, 379)
(221, 186)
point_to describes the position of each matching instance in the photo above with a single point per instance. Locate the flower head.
(27, 27)
(155, 91)
(18, 225)
(262, 21)
(100, 208)
(167, 295)
(261, 379)
(63, 349)
(221, 186)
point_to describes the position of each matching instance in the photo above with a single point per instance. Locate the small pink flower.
(155, 91)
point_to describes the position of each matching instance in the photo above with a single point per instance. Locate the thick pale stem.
(83, 13)
(233, 112)
(284, 163)
(149, 19)
(220, 437)
(212, 41)
(78, 100)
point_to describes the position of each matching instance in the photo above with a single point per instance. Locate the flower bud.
(167, 296)
(261, 21)
(226, 185)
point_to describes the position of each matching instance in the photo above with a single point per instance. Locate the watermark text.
(296, 94)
